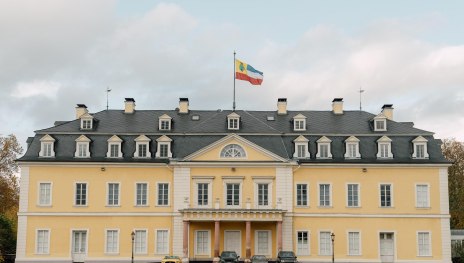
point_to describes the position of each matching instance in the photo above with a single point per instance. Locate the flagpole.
(233, 105)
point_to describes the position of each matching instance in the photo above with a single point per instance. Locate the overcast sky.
(55, 54)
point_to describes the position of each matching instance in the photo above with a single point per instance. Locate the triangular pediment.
(114, 138)
(164, 138)
(299, 116)
(142, 138)
(47, 138)
(420, 139)
(86, 116)
(83, 138)
(251, 151)
(165, 117)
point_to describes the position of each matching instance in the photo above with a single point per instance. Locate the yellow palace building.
(194, 183)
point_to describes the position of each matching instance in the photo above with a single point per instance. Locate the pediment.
(47, 138)
(252, 151)
(142, 138)
(114, 138)
(83, 138)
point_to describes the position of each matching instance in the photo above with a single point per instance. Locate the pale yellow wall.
(60, 233)
(64, 179)
(215, 152)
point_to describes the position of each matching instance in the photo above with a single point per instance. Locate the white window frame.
(307, 194)
(84, 121)
(86, 194)
(86, 152)
(147, 194)
(164, 119)
(45, 141)
(391, 195)
(208, 245)
(427, 205)
(326, 253)
(236, 148)
(210, 192)
(87, 233)
(347, 194)
(301, 141)
(144, 252)
(117, 241)
(142, 140)
(299, 123)
(166, 252)
(382, 122)
(256, 183)
(157, 194)
(352, 141)
(108, 194)
(384, 140)
(269, 242)
(308, 247)
(39, 194)
(233, 123)
(326, 142)
(348, 252)
(36, 250)
(429, 254)
(420, 141)
(163, 140)
(240, 192)
(319, 195)
(114, 140)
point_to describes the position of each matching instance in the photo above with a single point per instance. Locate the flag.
(246, 72)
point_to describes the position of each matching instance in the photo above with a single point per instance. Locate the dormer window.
(233, 121)
(164, 147)
(165, 122)
(323, 148)
(384, 148)
(86, 121)
(301, 147)
(352, 148)
(299, 122)
(47, 144)
(420, 148)
(114, 147)
(142, 149)
(82, 147)
(380, 122)
(233, 151)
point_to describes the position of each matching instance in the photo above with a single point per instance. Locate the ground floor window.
(140, 242)
(423, 243)
(202, 242)
(325, 247)
(302, 243)
(42, 242)
(162, 242)
(112, 238)
(353, 243)
(263, 242)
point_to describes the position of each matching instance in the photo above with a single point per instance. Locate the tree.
(454, 151)
(9, 194)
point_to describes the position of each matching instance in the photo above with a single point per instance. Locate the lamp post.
(133, 237)
(332, 236)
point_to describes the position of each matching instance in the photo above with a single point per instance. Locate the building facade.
(194, 183)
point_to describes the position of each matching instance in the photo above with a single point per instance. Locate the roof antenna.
(107, 91)
(360, 100)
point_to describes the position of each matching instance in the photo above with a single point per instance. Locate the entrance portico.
(265, 222)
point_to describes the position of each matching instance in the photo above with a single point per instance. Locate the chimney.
(183, 105)
(387, 110)
(81, 109)
(282, 106)
(337, 106)
(129, 105)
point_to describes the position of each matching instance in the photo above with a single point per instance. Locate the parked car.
(259, 259)
(229, 257)
(171, 259)
(286, 257)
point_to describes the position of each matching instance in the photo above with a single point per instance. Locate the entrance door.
(387, 247)
(79, 245)
(233, 241)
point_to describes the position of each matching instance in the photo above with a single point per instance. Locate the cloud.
(44, 88)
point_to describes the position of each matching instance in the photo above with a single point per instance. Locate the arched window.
(233, 151)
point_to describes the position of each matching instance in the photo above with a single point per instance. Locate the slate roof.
(275, 135)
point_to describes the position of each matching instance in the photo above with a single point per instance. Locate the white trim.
(340, 215)
(24, 189)
(99, 214)
(106, 241)
(114, 140)
(142, 140)
(430, 253)
(167, 242)
(164, 118)
(195, 245)
(86, 194)
(269, 193)
(299, 118)
(352, 140)
(163, 140)
(269, 242)
(197, 181)
(223, 149)
(359, 194)
(443, 188)
(392, 203)
(319, 195)
(445, 240)
(146, 241)
(297, 252)
(21, 237)
(395, 251)
(108, 194)
(378, 121)
(384, 140)
(348, 231)
(225, 182)
(38, 193)
(324, 141)
(147, 197)
(416, 193)
(307, 195)
(157, 194)
(71, 236)
(319, 242)
(37, 241)
(419, 140)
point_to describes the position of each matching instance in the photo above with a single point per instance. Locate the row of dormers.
(301, 149)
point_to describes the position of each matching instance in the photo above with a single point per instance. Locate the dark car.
(286, 257)
(259, 259)
(228, 256)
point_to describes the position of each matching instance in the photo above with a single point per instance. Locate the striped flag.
(246, 72)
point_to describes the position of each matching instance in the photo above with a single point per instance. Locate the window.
(114, 147)
(232, 194)
(81, 149)
(162, 241)
(380, 125)
(45, 194)
(81, 194)
(140, 242)
(233, 121)
(164, 122)
(86, 124)
(141, 194)
(352, 195)
(324, 195)
(142, 147)
(299, 122)
(114, 150)
(163, 194)
(301, 151)
(262, 242)
(384, 147)
(113, 194)
(302, 195)
(112, 241)
(263, 194)
(385, 195)
(422, 195)
(233, 151)
(142, 150)
(46, 146)
(202, 242)
(233, 124)
(420, 148)
(301, 147)
(42, 242)
(302, 243)
(323, 148)
(164, 147)
(354, 243)
(79, 241)
(352, 148)
(423, 244)
(202, 198)
(325, 243)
